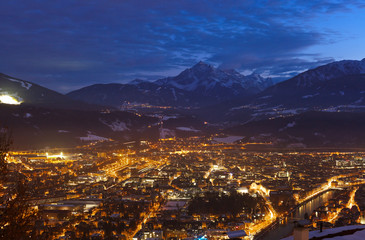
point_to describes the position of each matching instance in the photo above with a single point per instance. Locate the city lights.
(165, 181)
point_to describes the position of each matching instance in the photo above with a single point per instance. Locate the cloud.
(85, 42)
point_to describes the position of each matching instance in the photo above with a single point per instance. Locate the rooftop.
(353, 232)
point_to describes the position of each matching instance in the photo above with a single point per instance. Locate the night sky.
(65, 45)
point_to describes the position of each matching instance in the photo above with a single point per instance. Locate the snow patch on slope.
(25, 85)
(63, 131)
(117, 126)
(174, 93)
(310, 95)
(166, 133)
(228, 139)
(187, 129)
(92, 137)
(289, 125)
(359, 100)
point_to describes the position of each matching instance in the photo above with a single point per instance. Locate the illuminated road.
(148, 215)
(349, 205)
(269, 218)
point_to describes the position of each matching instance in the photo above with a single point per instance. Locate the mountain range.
(199, 86)
(335, 87)
(323, 106)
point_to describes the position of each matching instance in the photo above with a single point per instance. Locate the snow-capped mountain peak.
(206, 78)
(202, 67)
(136, 81)
(330, 71)
(232, 72)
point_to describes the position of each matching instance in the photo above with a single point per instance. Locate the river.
(286, 228)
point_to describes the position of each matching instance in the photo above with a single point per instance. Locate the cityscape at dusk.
(194, 120)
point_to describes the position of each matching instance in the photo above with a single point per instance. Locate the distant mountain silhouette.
(201, 85)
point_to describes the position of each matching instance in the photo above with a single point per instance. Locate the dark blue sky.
(68, 44)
